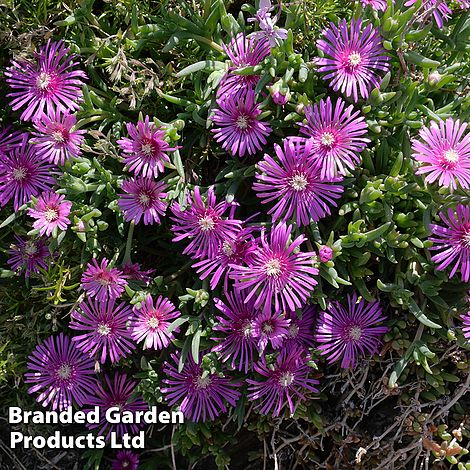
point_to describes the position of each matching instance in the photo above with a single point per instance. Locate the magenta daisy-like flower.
(466, 325)
(277, 272)
(270, 327)
(125, 460)
(379, 5)
(133, 271)
(118, 392)
(239, 128)
(61, 373)
(453, 241)
(151, 322)
(444, 153)
(46, 83)
(104, 329)
(55, 138)
(354, 58)
(301, 330)
(237, 323)
(294, 183)
(236, 251)
(439, 8)
(146, 149)
(10, 139)
(243, 52)
(201, 395)
(23, 174)
(102, 281)
(50, 211)
(349, 333)
(28, 255)
(203, 223)
(144, 199)
(337, 134)
(287, 381)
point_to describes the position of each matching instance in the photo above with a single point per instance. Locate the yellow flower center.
(354, 59)
(327, 139)
(273, 268)
(299, 182)
(147, 149)
(227, 248)
(451, 156)
(247, 328)
(104, 329)
(51, 214)
(153, 322)
(206, 223)
(58, 136)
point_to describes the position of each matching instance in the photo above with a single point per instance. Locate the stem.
(127, 253)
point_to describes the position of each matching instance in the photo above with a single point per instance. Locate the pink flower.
(354, 57)
(146, 149)
(444, 153)
(151, 322)
(55, 139)
(325, 254)
(50, 212)
(102, 281)
(47, 83)
(144, 199)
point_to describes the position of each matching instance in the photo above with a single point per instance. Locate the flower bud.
(325, 254)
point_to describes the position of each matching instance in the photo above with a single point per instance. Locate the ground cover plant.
(258, 214)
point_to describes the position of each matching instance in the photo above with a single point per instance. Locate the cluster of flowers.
(266, 277)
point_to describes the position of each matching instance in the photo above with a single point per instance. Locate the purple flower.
(104, 327)
(269, 30)
(350, 333)
(338, 135)
(55, 138)
(61, 373)
(295, 183)
(325, 254)
(354, 58)
(243, 52)
(134, 271)
(278, 96)
(239, 128)
(50, 212)
(144, 199)
(146, 149)
(270, 327)
(28, 255)
(439, 9)
(118, 392)
(236, 251)
(151, 322)
(10, 139)
(379, 5)
(287, 381)
(277, 271)
(102, 281)
(444, 153)
(125, 460)
(300, 332)
(203, 223)
(23, 174)
(238, 325)
(453, 241)
(47, 83)
(466, 325)
(201, 395)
